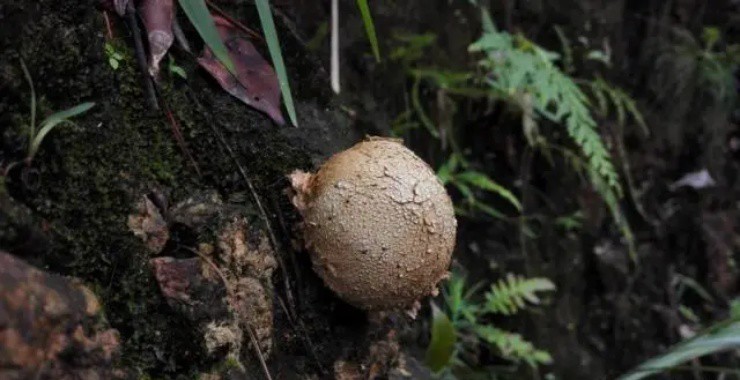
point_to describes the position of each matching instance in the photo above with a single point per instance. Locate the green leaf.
(735, 309)
(175, 69)
(420, 112)
(443, 78)
(200, 17)
(710, 35)
(487, 21)
(442, 346)
(27, 75)
(179, 71)
(273, 45)
(513, 346)
(489, 210)
(450, 166)
(511, 294)
(367, 19)
(725, 337)
(598, 55)
(52, 121)
(483, 182)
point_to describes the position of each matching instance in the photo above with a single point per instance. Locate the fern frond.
(518, 66)
(513, 293)
(622, 102)
(513, 346)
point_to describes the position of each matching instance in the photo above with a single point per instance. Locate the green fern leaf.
(513, 293)
(512, 346)
(525, 68)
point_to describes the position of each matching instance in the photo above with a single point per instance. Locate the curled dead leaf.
(157, 16)
(255, 83)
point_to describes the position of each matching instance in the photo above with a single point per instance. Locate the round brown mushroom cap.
(379, 224)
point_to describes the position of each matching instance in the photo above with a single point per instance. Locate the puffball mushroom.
(378, 223)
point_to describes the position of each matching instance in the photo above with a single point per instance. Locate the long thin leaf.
(483, 182)
(32, 129)
(52, 121)
(273, 44)
(725, 338)
(200, 17)
(367, 19)
(442, 346)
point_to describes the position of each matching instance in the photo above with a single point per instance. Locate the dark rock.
(50, 327)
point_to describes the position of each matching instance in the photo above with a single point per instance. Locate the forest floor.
(70, 211)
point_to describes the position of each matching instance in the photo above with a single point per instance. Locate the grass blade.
(32, 129)
(367, 19)
(273, 44)
(482, 181)
(724, 338)
(200, 17)
(52, 121)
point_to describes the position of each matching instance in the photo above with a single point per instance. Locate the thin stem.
(133, 23)
(263, 214)
(238, 24)
(32, 128)
(232, 297)
(335, 46)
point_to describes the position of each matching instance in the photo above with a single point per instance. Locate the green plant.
(367, 20)
(198, 14)
(273, 45)
(410, 47)
(113, 55)
(37, 133)
(469, 319)
(721, 337)
(527, 75)
(455, 172)
(176, 69)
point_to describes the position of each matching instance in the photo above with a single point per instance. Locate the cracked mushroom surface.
(379, 224)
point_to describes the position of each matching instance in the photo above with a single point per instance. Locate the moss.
(91, 175)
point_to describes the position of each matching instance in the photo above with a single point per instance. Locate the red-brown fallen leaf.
(157, 16)
(255, 82)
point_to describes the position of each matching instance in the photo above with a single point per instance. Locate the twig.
(133, 23)
(286, 232)
(258, 203)
(260, 356)
(180, 140)
(234, 21)
(232, 296)
(107, 25)
(297, 324)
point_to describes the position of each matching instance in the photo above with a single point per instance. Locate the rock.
(50, 327)
(227, 287)
(148, 224)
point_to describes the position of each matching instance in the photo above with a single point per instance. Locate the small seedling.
(175, 69)
(456, 173)
(35, 138)
(465, 324)
(114, 56)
